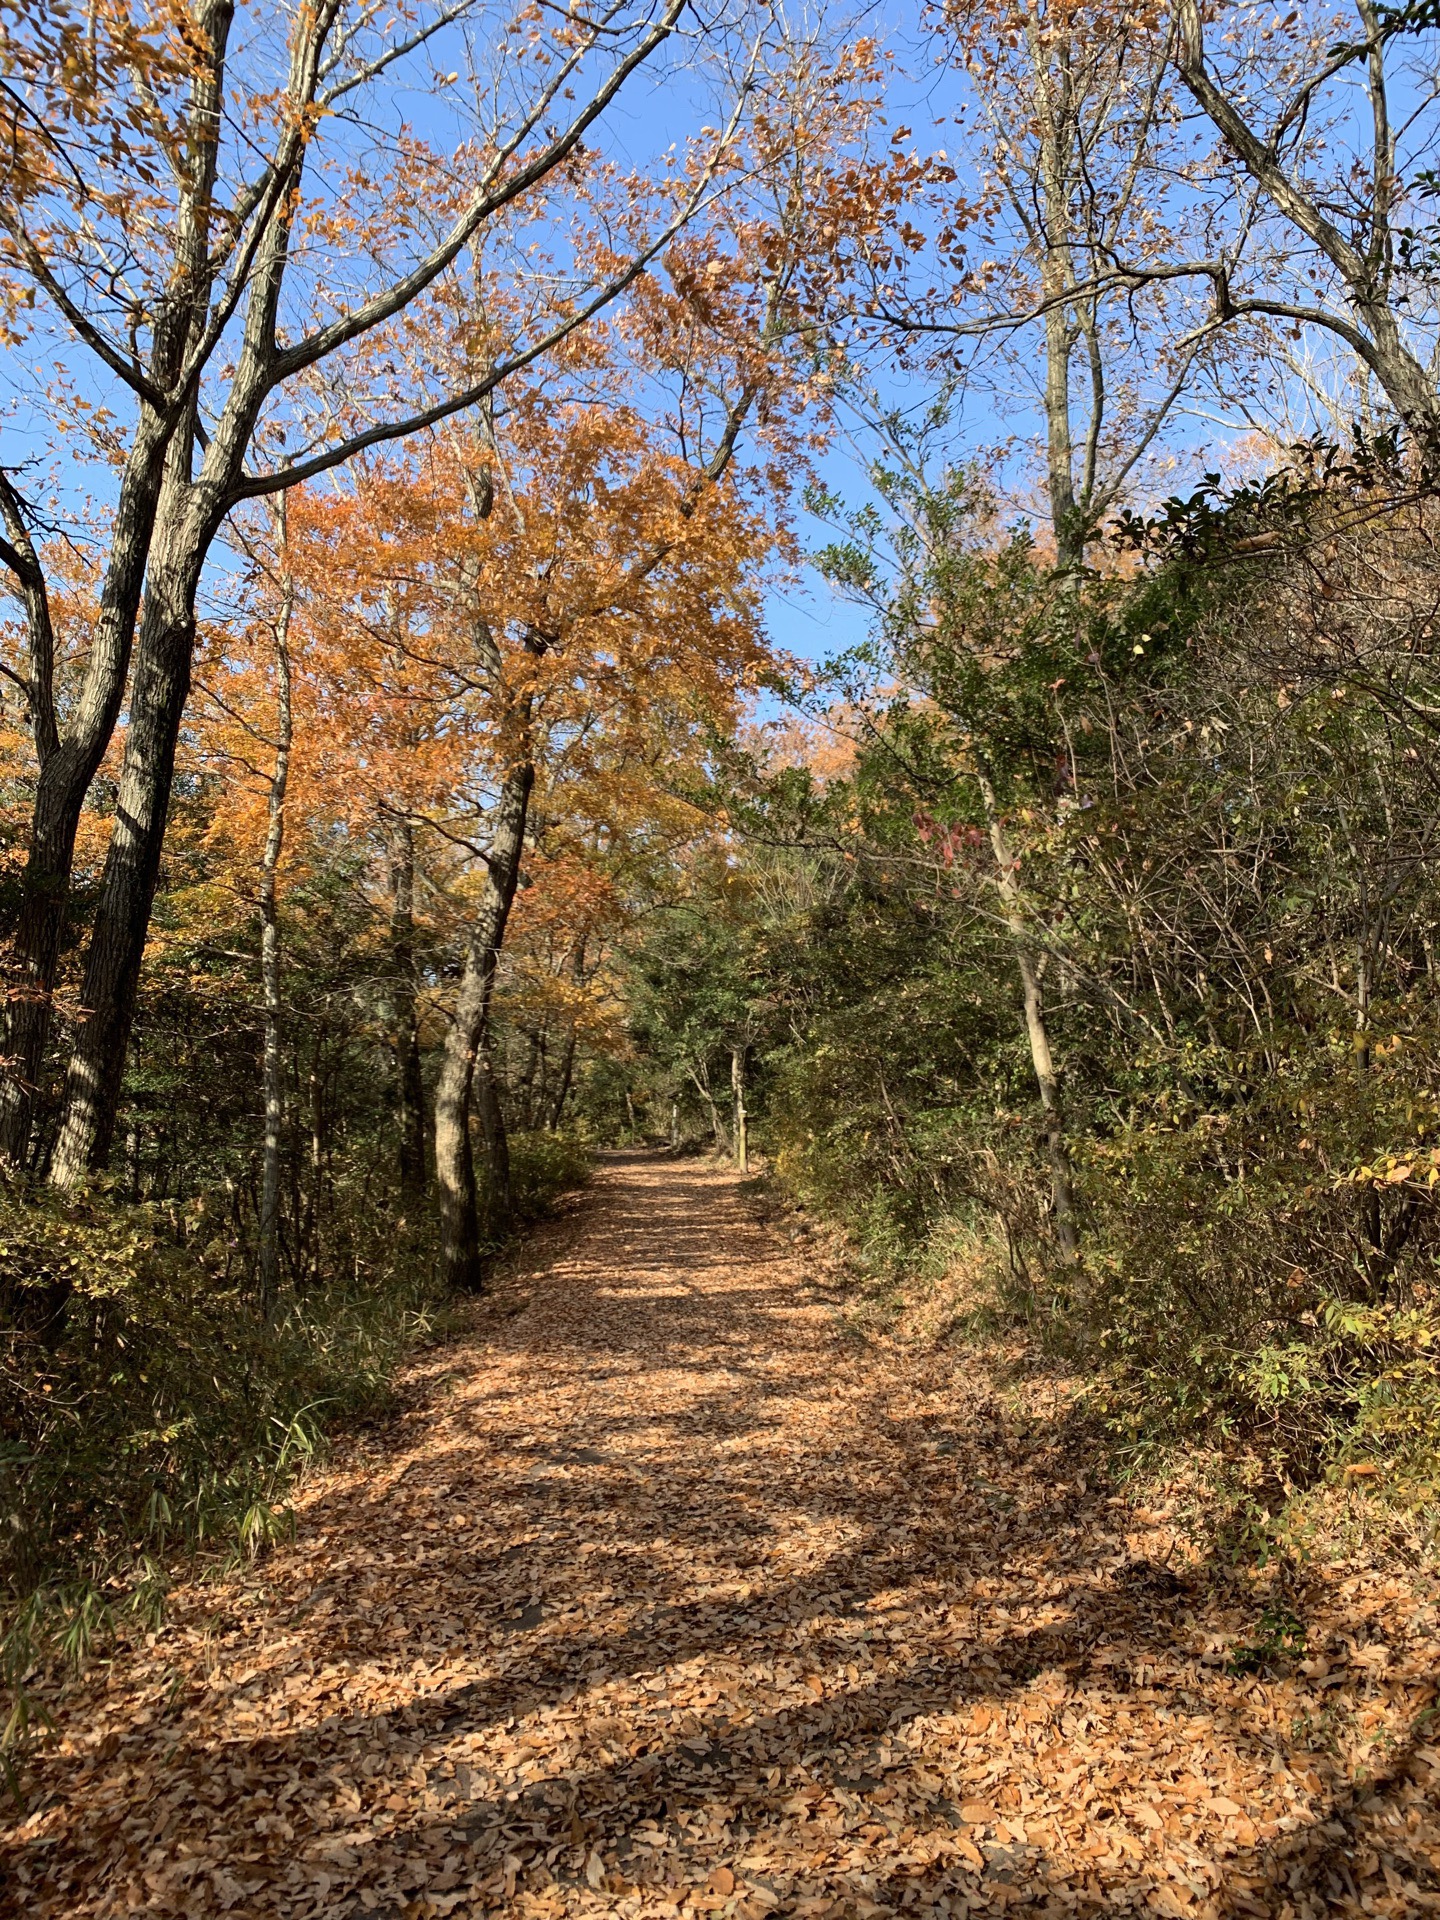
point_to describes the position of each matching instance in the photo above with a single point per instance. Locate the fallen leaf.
(897, 1519)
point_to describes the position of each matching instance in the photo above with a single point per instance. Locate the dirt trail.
(668, 1597)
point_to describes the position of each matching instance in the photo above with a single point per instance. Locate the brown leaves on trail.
(664, 1598)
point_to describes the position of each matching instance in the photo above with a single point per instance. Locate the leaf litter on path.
(665, 1599)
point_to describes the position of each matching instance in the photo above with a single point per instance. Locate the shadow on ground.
(662, 1598)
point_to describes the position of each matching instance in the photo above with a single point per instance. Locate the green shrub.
(146, 1408)
(542, 1167)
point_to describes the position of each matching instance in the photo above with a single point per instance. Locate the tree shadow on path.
(662, 1598)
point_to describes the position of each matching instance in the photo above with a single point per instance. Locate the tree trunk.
(405, 1024)
(1062, 1179)
(737, 1089)
(159, 457)
(1370, 1217)
(717, 1129)
(567, 1064)
(562, 1091)
(469, 1035)
(67, 768)
(315, 1209)
(532, 1078)
(270, 938)
(485, 1099)
(132, 865)
(1066, 518)
(1055, 215)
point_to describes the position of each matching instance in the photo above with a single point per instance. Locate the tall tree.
(177, 262)
(1333, 185)
(1066, 166)
(404, 1013)
(270, 957)
(615, 604)
(969, 617)
(724, 327)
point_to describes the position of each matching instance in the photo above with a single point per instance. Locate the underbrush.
(1290, 1319)
(542, 1167)
(1275, 1338)
(148, 1411)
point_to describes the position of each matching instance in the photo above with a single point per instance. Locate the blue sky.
(663, 105)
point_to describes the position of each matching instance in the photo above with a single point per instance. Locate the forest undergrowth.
(152, 1413)
(1236, 1492)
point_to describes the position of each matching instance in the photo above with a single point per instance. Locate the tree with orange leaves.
(531, 611)
(565, 574)
(160, 223)
(555, 613)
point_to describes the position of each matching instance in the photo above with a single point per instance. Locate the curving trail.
(667, 1596)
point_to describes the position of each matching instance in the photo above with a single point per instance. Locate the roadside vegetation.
(408, 781)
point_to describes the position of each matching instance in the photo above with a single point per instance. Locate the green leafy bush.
(542, 1167)
(146, 1408)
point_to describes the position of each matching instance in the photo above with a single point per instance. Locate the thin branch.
(253, 486)
(20, 556)
(85, 329)
(485, 204)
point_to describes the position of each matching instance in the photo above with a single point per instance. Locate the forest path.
(669, 1596)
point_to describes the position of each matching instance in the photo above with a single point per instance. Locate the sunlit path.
(665, 1597)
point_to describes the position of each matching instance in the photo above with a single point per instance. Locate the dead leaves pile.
(666, 1598)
